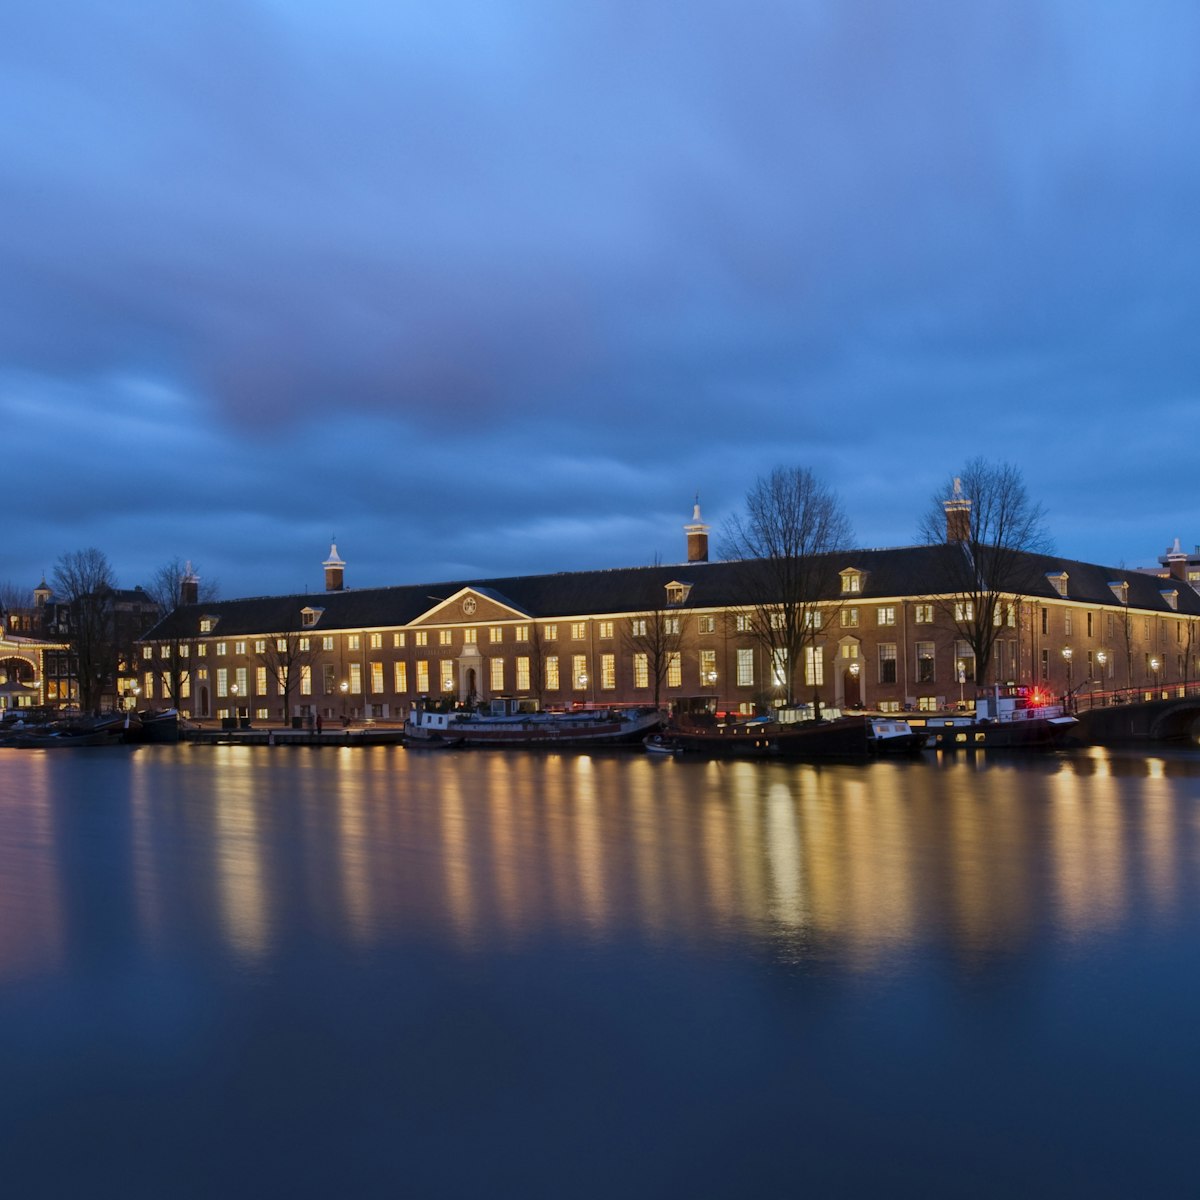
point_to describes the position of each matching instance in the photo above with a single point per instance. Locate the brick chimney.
(1176, 562)
(697, 536)
(335, 570)
(189, 587)
(958, 515)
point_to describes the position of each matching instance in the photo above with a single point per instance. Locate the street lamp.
(855, 668)
(1154, 665)
(1068, 654)
(233, 692)
(962, 678)
(135, 692)
(343, 687)
(1101, 659)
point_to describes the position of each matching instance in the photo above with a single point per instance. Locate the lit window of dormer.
(677, 593)
(310, 616)
(208, 624)
(852, 581)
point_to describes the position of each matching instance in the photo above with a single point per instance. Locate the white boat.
(505, 724)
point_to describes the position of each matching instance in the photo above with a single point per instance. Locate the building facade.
(886, 633)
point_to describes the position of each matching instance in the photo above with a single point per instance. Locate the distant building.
(1178, 564)
(36, 653)
(886, 638)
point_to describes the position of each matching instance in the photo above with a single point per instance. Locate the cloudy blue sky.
(491, 288)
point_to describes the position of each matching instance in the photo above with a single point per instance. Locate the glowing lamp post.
(343, 687)
(962, 678)
(1154, 665)
(135, 692)
(1101, 659)
(1068, 654)
(855, 668)
(233, 693)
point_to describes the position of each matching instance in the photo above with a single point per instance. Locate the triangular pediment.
(468, 605)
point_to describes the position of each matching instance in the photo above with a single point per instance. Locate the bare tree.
(84, 581)
(792, 525)
(658, 634)
(993, 531)
(537, 661)
(12, 596)
(170, 588)
(285, 656)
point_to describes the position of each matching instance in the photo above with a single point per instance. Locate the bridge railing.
(1092, 697)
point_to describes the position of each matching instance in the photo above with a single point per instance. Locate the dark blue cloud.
(498, 288)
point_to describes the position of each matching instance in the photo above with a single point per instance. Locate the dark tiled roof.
(906, 571)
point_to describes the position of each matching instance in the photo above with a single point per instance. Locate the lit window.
(674, 669)
(641, 670)
(422, 676)
(327, 643)
(814, 666)
(470, 637)
(849, 618)
(206, 624)
(183, 650)
(260, 681)
(496, 634)
(148, 651)
(886, 614)
(579, 675)
(201, 649)
(637, 626)
(608, 671)
(306, 681)
(964, 610)
(376, 678)
(377, 641)
(707, 624)
(398, 640)
(422, 637)
(551, 632)
(552, 672)
(497, 666)
(444, 637)
(708, 668)
(239, 647)
(353, 642)
(745, 668)
(924, 614)
(356, 678)
(578, 631)
(401, 677)
(671, 625)
(522, 674)
(304, 645)
(851, 582)
(744, 623)
(446, 667)
(220, 649)
(260, 646)
(605, 629)
(522, 633)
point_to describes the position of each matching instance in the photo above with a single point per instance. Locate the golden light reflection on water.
(492, 849)
(32, 929)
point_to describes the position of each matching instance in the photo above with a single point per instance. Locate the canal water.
(237, 971)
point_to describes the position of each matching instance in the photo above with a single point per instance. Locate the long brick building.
(885, 637)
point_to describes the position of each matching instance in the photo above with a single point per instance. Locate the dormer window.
(1058, 581)
(852, 581)
(1121, 591)
(677, 593)
(208, 624)
(1171, 596)
(310, 616)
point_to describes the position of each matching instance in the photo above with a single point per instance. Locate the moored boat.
(1002, 723)
(160, 726)
(844, 737)
(505, 725)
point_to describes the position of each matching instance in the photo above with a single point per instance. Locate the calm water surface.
(266, 972)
